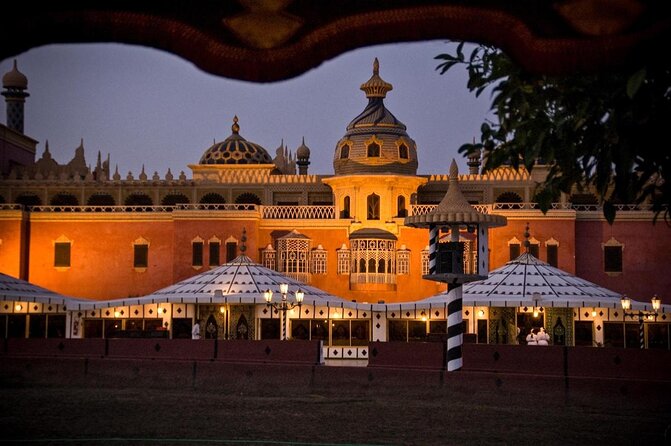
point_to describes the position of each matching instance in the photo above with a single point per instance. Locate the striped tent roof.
(17, 290)
(239, 281)
(528, 281)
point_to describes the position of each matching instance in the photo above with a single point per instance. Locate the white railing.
(216, 207)
(134, 208)
(421, 209)
(528, 206)
(11, 207)
(321, 212)
(372, 278)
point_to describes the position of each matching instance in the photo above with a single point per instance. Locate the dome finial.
(235, 127)
(527, 234)
(243, 240)
(376, 87)
(454, 170)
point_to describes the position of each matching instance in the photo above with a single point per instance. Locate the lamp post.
(284, 305)
(641, 315)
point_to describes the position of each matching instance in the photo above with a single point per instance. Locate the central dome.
(375, 142)
(235, 150)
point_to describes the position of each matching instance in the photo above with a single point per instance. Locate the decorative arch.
(373, 147)
(508, 197)
(401, 210)
(345, 213)
(64, 199)
(28, 199)
(2, 199)
(344, 151)
(101, 199)
(173, 199)
(212, 198)
(138, 200)
(403, 149)
(373, 207)
(248, 198)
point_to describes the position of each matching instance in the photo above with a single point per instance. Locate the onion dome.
(15, 79)
(303, 151)
(375, 142)
(235, 150)
(372, 233)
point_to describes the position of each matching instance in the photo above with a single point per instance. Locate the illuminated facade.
(90, 233)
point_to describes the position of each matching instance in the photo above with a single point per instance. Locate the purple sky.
(145, 106)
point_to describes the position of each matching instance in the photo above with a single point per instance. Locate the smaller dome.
(15, 79)
(303, 151)
(235, 150)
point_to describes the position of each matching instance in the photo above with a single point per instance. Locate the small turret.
(303, 158)
(15, 84)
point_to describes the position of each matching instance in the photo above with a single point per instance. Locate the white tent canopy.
(240, 281)
(17, 290)
(527, 281)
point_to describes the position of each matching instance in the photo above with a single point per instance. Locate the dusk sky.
(145, 106)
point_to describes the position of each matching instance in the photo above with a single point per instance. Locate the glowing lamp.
(268, 295)
(626, 302)
(284, 288)
(299, 296)
(656, 303)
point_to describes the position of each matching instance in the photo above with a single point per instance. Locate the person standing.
(195, 330)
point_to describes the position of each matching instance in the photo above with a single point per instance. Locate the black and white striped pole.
(433, 246)
(446, 259)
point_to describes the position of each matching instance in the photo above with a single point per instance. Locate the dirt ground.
(48, 415)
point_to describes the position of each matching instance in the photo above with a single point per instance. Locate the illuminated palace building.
(98, 236)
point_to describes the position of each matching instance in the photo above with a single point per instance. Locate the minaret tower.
(15, 84)
(303, 158)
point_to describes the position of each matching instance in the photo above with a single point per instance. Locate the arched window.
(508, 197)
(403, 152)
(400, 206)
(28, 200)
(212, 198)
(345, 207)
(64, 200)
(514, 248)
(247, 198)
(380, 266)
(101, 200)
(373, 205)
(173, 199)
(362, 265)
(344, 151)
(373, 150)
(138, 200)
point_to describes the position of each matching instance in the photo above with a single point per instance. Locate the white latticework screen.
(343, 261)
(318, 261)
(293, 256)
(403, 261)
(373, 261)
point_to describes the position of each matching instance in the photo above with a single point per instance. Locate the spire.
(376, 87)
(527, 234)
(235, 127)
(243, 241)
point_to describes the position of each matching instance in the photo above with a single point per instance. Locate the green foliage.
(606, 131)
